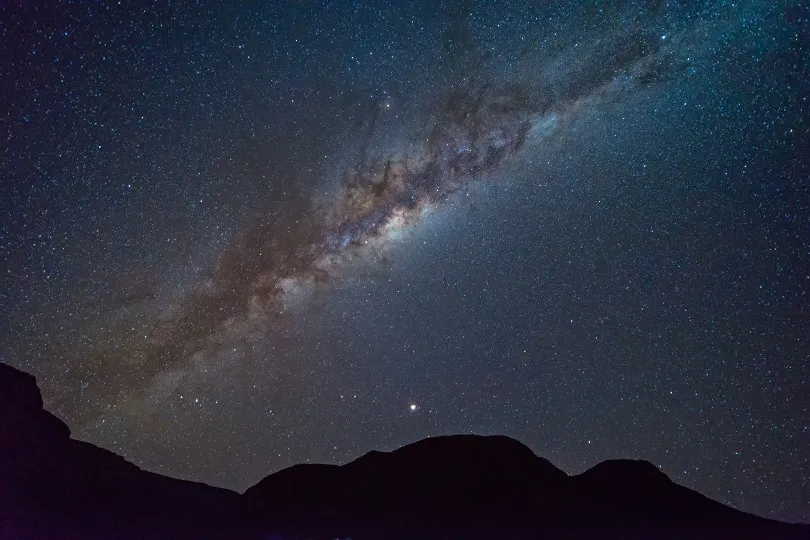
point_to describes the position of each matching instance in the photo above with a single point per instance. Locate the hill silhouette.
(464, 486)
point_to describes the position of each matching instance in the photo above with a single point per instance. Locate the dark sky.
(238, 238)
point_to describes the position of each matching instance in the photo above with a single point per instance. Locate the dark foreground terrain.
(464, 487)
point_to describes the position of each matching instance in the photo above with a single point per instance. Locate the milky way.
(478, 126)
(238, 238)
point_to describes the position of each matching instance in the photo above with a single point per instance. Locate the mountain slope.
(463, 486)
(469, 486)
(52, 486)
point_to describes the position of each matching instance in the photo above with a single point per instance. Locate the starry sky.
(235, 238)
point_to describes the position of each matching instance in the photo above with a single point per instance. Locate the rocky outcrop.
(463, 486)
(52, 486)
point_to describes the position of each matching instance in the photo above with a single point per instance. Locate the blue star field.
(239, 237)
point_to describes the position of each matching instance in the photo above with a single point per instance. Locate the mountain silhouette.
(52, 486)
(462, 486)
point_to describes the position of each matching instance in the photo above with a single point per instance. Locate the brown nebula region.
(286, 254)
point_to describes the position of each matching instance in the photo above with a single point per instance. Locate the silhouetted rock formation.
(52, 486)
(461, 486)
(468, 486)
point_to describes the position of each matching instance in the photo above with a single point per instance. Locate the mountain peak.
(459, 486)
(52, 486)
(18, 389)
(623, 474)
(468, 454)
(23, 421)
(449, 446)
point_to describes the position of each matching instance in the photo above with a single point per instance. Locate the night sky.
(236, 238)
